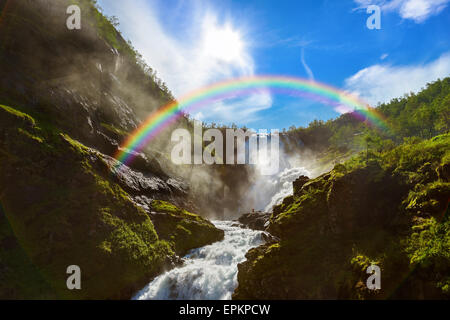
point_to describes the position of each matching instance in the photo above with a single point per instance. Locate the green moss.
(31, 136)
(388, 210)
(77, 146)
(182, 229)
(18, 115)
(116, 131)
(167, 207)
(19, 277)
(429, 199)
(73, 213)
(76, 214)
(164, 206)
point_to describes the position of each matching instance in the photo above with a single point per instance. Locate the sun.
(224, 43)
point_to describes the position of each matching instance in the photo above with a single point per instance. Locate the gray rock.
(255, 220)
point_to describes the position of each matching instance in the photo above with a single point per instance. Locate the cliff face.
(93, 85)
(390, 210)
(68, 98)
(89, 81)
(62, 205)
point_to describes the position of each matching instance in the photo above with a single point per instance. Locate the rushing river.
(209, 272)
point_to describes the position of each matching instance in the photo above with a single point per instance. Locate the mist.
(99, 91)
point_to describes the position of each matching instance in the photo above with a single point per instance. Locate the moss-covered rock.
(182, 229)
(62, 207)
(391, 211)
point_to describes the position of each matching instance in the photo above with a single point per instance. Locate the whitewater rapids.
(209, 272)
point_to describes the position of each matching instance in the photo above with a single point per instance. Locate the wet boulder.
(255, 220)
(298, 184)
(183, 230)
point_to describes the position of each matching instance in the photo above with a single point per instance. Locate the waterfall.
(280, 186)
(209, 272)
(268, 191)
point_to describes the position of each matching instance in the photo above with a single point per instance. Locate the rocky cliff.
(390, 210)
(68, 99)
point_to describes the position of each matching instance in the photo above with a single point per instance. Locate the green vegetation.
(180, 227)
(19, 277)
(385, 201)
(421, 115)
(61, 203)
(62, 207)
(390, 208)
(14, 115)
(118, 133)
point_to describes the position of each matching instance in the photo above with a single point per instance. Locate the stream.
(209, 272)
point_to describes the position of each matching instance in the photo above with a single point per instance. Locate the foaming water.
(280, 186)
(210, 272)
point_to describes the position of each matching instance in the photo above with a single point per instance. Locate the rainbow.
(168, 114)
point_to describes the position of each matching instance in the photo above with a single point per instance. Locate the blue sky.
(195, 43)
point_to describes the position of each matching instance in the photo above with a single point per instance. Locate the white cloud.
(205, 49)
(384, 56)
(305, 65)
(417, 10)
(382, 82)
(235, 110)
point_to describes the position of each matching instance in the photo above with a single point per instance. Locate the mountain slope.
(389, 209)
(423, 115)
(68, 98)
(62, 206)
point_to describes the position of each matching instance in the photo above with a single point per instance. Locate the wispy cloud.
(416, 10)
(239, 111)
(294, 42)
(305, 65)
(208, 48)
(383, 82)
